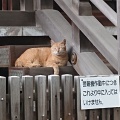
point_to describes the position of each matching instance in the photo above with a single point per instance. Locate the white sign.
(99, 92)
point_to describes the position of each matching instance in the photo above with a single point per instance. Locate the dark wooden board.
(17, 18)
(40, 71)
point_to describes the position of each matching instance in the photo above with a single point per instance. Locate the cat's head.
(58, 48)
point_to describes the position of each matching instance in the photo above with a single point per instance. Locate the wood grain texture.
(68, 96)
(17, 18)
(33, 31)
(41, 97)
(14, 85)
(54, 90)
(28, 97)
(95, 32)
(10, 31)
(3, 98)
(58, 28)
(22, 31)
(81, 114)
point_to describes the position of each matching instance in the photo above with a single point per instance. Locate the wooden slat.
(41, 97)
(28, 97)
(29, 5)
(58, 28)
(2, 98)
(9, 4)
(81, 114)
(10, 31)
(17, 18)
(15, 4)
(22, 31)
(54, 85)
(94, 31)
(106, 10)
(40, 71)
(33, 31)
(22, 5)
(68, 96)
(14, 87)
(44, 4)
(4, 4)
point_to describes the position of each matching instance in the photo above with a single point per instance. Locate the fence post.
(54, 90)
(28, 97)
(81, 114)
(14, 90)
(41, 97)
(2, 98)
(67, 81)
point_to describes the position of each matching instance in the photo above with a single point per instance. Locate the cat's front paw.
(56, 72)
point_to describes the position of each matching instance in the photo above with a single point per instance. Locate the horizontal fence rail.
(42, 97)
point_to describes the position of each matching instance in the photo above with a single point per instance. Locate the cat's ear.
(64, 42)
(52, 42)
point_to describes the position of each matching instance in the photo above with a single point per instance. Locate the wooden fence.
(41, 98)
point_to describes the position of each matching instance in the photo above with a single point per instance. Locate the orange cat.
(53, 56)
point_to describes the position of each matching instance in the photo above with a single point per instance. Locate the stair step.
(22, 31)
(17, 18)
(88, 63)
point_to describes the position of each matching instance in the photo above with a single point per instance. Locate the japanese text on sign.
(99, 92)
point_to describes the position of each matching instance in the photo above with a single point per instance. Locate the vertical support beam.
(14, 87)
(75, 30)
(82, 9)
(28, 97)
(41, 97)
(3, 98)
(68, 96)
(54, 90)
(44, 4)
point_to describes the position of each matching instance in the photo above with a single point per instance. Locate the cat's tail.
(18, 64)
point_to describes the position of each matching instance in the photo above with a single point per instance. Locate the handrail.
(106, 10)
